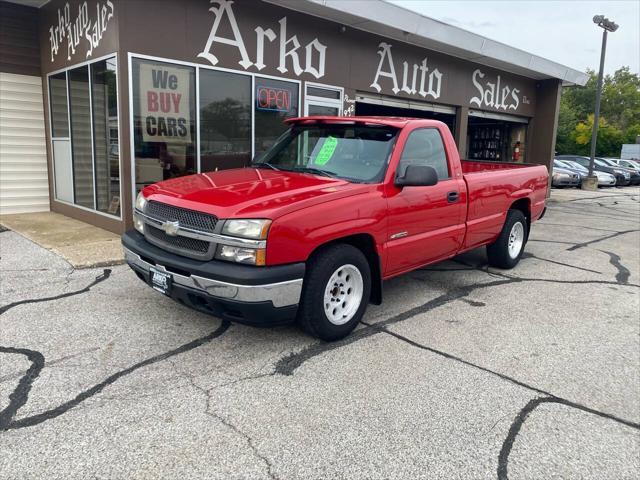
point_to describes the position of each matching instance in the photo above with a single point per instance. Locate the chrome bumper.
(282, 294)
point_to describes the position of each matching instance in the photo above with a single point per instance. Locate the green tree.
(619, 114)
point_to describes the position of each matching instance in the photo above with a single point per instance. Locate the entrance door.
(426, 224)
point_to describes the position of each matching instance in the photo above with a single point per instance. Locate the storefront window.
(83, 104)
(225, 120)
(81, 144)
(322, 100)
(59, 112)
(163, 121)
(275, 101)
(105, 134)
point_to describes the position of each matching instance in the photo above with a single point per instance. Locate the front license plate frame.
(160, 281)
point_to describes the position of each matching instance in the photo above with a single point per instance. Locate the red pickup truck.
(313, 227)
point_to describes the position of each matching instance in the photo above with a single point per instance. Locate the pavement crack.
(230, 425)
(623, 272)
(531, 255)
(600, 239)
(521, 417)
(19, 396)
(289, 364)
(100, 278)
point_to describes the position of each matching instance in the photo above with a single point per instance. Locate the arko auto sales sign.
(164, 104)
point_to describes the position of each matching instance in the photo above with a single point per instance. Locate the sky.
(562, 31)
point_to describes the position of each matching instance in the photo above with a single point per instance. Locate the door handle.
(453, 197)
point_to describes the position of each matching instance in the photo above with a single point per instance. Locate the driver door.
(426, 224)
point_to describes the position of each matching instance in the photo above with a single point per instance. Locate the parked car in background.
(634, 178)
(623, 177)
(621, 162)
(562, 177)
(604, 179)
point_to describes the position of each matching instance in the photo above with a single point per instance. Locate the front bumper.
(241, 293)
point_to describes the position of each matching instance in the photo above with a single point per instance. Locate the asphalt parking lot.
(463, 372)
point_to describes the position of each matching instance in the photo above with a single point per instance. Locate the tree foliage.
(619, 114)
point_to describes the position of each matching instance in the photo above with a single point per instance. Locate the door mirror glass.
(417, 176)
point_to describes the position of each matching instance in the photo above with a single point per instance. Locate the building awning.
(393, 21)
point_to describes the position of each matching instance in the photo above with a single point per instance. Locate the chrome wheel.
(343, 294)
(516, 239)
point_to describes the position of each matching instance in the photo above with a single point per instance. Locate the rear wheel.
(335, 293)
(506, 251)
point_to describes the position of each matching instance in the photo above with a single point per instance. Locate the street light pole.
(591, 182)
(596, 117)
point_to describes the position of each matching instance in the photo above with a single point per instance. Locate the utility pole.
(591, 182)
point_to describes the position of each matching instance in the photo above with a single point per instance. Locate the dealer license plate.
(160, 281)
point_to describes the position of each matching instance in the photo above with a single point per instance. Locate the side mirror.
(417, 176)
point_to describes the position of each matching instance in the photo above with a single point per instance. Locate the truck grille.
(187, 218)
(189, 247)
(180, 244)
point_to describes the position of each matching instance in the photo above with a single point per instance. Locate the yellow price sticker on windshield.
(326, 152)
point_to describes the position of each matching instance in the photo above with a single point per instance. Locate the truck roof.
(397, 122)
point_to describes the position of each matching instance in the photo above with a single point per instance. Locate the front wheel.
(506, 251)
(335, 293)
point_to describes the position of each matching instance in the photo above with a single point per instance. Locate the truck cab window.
(425, 147)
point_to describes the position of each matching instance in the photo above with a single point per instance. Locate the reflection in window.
(425, 147)
(105, 125)
(323, 110)
(59, 113)
(225, 120)
(163, 120)
(81, 146)
(275, 101)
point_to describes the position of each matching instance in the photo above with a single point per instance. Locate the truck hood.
(251, 192)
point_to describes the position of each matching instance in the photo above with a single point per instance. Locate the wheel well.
(524, 205)
(366, 245)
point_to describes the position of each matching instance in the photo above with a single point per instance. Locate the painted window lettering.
(386, 61)
(492, 95)
(81, 27)
(314, 55)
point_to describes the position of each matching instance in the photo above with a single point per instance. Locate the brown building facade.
(140, 91)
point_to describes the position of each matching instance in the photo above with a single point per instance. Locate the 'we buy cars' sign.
(164, 104)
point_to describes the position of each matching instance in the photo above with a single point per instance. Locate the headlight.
(254, 229)
(251, 256)
(141, 202)
(138, 224)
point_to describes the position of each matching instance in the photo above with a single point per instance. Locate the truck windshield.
(356, 153)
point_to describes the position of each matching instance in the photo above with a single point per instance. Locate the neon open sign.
(276, 99)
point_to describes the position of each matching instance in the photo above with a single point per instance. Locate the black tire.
(498, 251)
(320, 268)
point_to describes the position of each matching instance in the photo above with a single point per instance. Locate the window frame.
(312, 100)
(444, 148)
(65, 70)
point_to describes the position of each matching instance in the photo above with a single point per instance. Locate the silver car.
(564, 178)
(604, 179)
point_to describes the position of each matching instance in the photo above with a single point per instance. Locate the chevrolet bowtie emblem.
(171, 228)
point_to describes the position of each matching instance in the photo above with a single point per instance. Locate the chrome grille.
(190, 247)
(187, 218)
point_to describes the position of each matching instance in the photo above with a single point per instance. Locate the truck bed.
(492, 188)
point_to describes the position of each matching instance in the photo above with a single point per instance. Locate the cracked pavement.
(465, 371)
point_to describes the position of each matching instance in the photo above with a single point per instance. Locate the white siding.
(23, 156)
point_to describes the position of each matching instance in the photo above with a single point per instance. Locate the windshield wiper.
(317, 171)
(264, 164)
